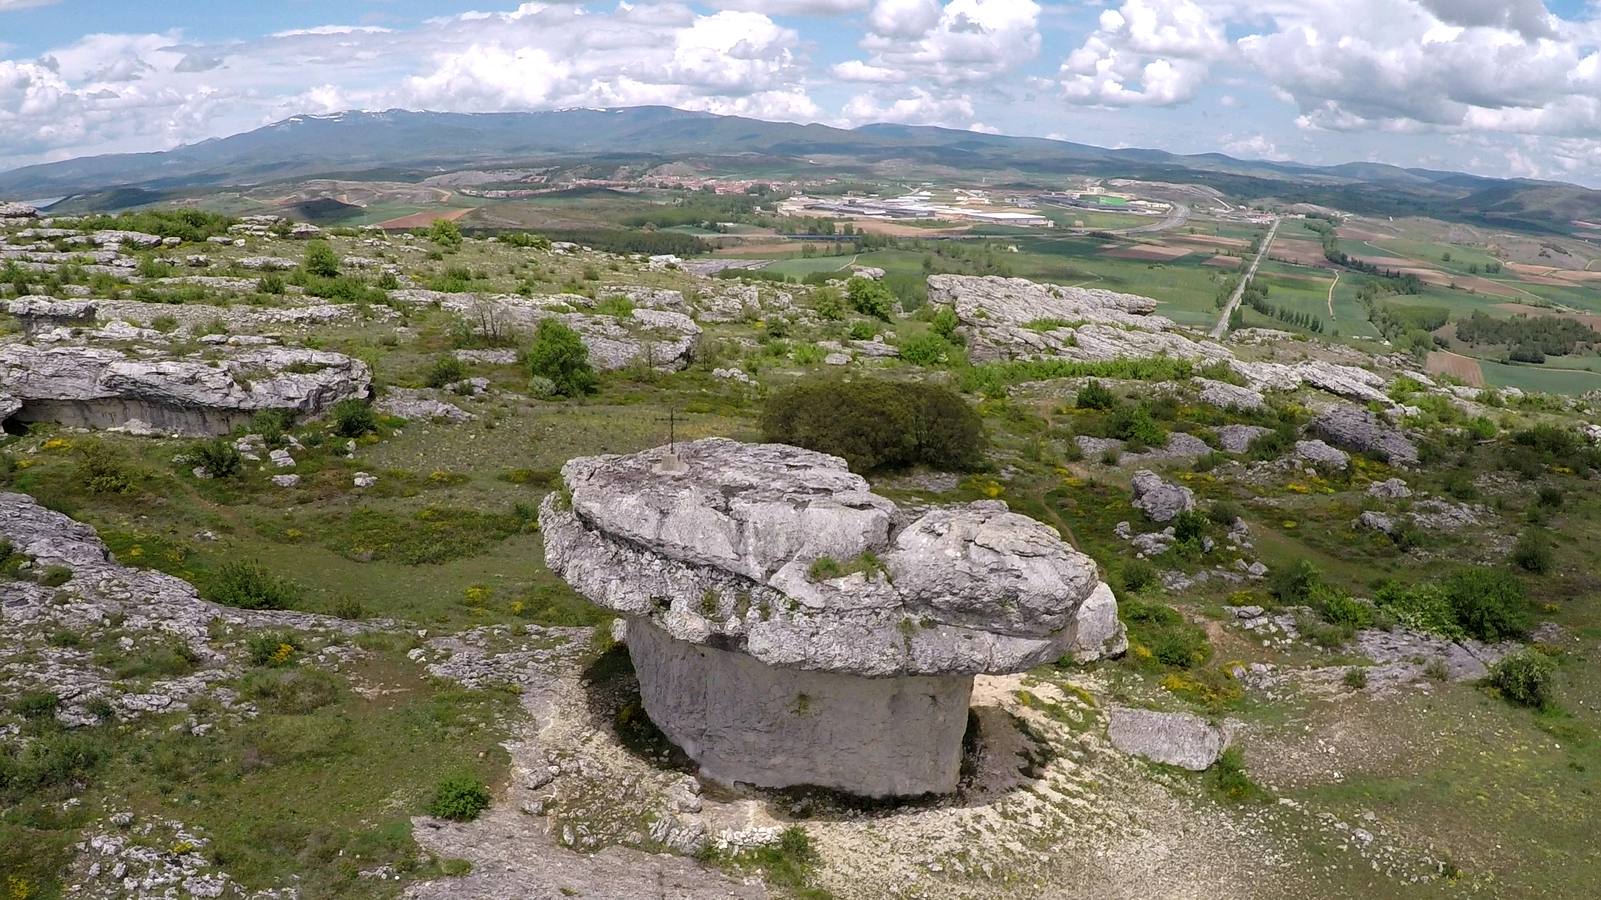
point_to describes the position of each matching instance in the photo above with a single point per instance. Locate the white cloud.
(793, 7)
(1253, 146)
(1145, 53)
(7, 5)
(915, 107)
(965, 41)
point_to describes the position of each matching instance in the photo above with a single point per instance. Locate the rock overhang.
(719, 544)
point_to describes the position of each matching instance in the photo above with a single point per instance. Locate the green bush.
(445, 233)
(353, 418)
(1525, 678)
(36, 704)
(1189, 526)
(248, 585)
(1159, 633)
(102, 469)
(1136, 425)
(870, 297)
(444, 370)
(944, 323)
(1533, 552)
(218, 457)
(459, 798)
(559, 354)
(1356, 677)
(321, 261)
(55, 576)
(928, 349)
(1489, 604)
(1136, 575)
(877, 424)
(271, 648)
(1295, 584)
(1094, 395)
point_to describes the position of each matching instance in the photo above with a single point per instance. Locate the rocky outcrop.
(1229, 396)
(10, 210)
(1160, 500)
(771, 578)
(1013, 318)
(1345, 381)
(1238, 438)
(1320, 454)
(104, 388)
(1355, 428)
(1391, 489)
(38, 313)
(410, 403)
(655, 338)
(1174, 739)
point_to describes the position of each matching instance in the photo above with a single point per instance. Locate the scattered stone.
(1392, 489)
(1174, 739)
(1160, 500)
(286, 481)
(364, 480)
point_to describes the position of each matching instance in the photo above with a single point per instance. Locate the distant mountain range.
(402, 145)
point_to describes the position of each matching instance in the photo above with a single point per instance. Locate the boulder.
(38, 313)
(9, 210)
(1160, 500)
(1174, 739)
(782, 623)
(1376, 521)
(102, 388)
(1363, 431)
(1238, 438)
(1230, 396)
(1391, 489)
(1320, 454)
(419, 405)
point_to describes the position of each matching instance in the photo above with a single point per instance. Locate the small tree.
(559, 354)
(1094, 395)
(353, 418)
(321, 260)
(870, 297)
(445, 233)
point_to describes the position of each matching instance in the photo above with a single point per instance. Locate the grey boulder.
(1174, 739)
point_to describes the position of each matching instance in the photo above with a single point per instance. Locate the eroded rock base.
(743, 721)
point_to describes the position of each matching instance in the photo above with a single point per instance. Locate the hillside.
(421, 143)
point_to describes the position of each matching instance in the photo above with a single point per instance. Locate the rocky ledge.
(786, 555)
(195, 395)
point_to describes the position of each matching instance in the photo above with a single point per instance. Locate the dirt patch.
(423, 219)
(1209, 240)
(1148, 252)
(1300, 253)
(1224, 262)
(1454, 364)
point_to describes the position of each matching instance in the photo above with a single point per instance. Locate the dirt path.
(1336, 284)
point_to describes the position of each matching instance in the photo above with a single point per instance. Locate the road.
(1222, 326)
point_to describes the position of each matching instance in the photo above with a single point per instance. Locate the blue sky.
(1501, 87)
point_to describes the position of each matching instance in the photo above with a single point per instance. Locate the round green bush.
(459, 798)
(353, 418)
(1525, 678)
(559, 354)
(877, 424)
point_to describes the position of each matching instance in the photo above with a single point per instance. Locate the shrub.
(1189, 526)
(870, 297)
(1294, 585)
(36, 704)
(353, 418)
(1533, 552)
(459, 798)
(1489, 604)
(1356, 677)
(927, 349)
(103, 470)
(1227, 779)
(1094, 395)
(272, 424)
(1136, 425)
(290, 692)
(273, 283)
(218, 457)
(828, 303)
(1159, 633)
(271, 648)
(444, 370)
(445, 233)
(877, 424)
(560, 355)
(1339, 608)
(944, 323)
(248, 585)
(1136, 575)
(55, 576)
(1525, 678)
(321, 261)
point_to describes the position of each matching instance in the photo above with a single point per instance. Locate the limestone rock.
(782, 625)
(102, 388)
(1160, 500)
(1392, 489)
(1376, 521)
(1355, 428)
(10, 210)
(1174, 739)
(1320, 454)
(1238, 438)
(419, 405)
(1230, 396)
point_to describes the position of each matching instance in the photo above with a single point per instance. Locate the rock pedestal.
(746, 722)
(789, 627)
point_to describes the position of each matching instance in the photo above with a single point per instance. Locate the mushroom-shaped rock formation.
(787, 629)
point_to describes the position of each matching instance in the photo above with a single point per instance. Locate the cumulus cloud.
(915, 107)
(965, 41)
(1145, 53)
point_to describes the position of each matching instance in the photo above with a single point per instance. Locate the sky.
(1493, 87)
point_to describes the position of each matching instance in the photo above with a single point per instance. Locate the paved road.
(1222, 326)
